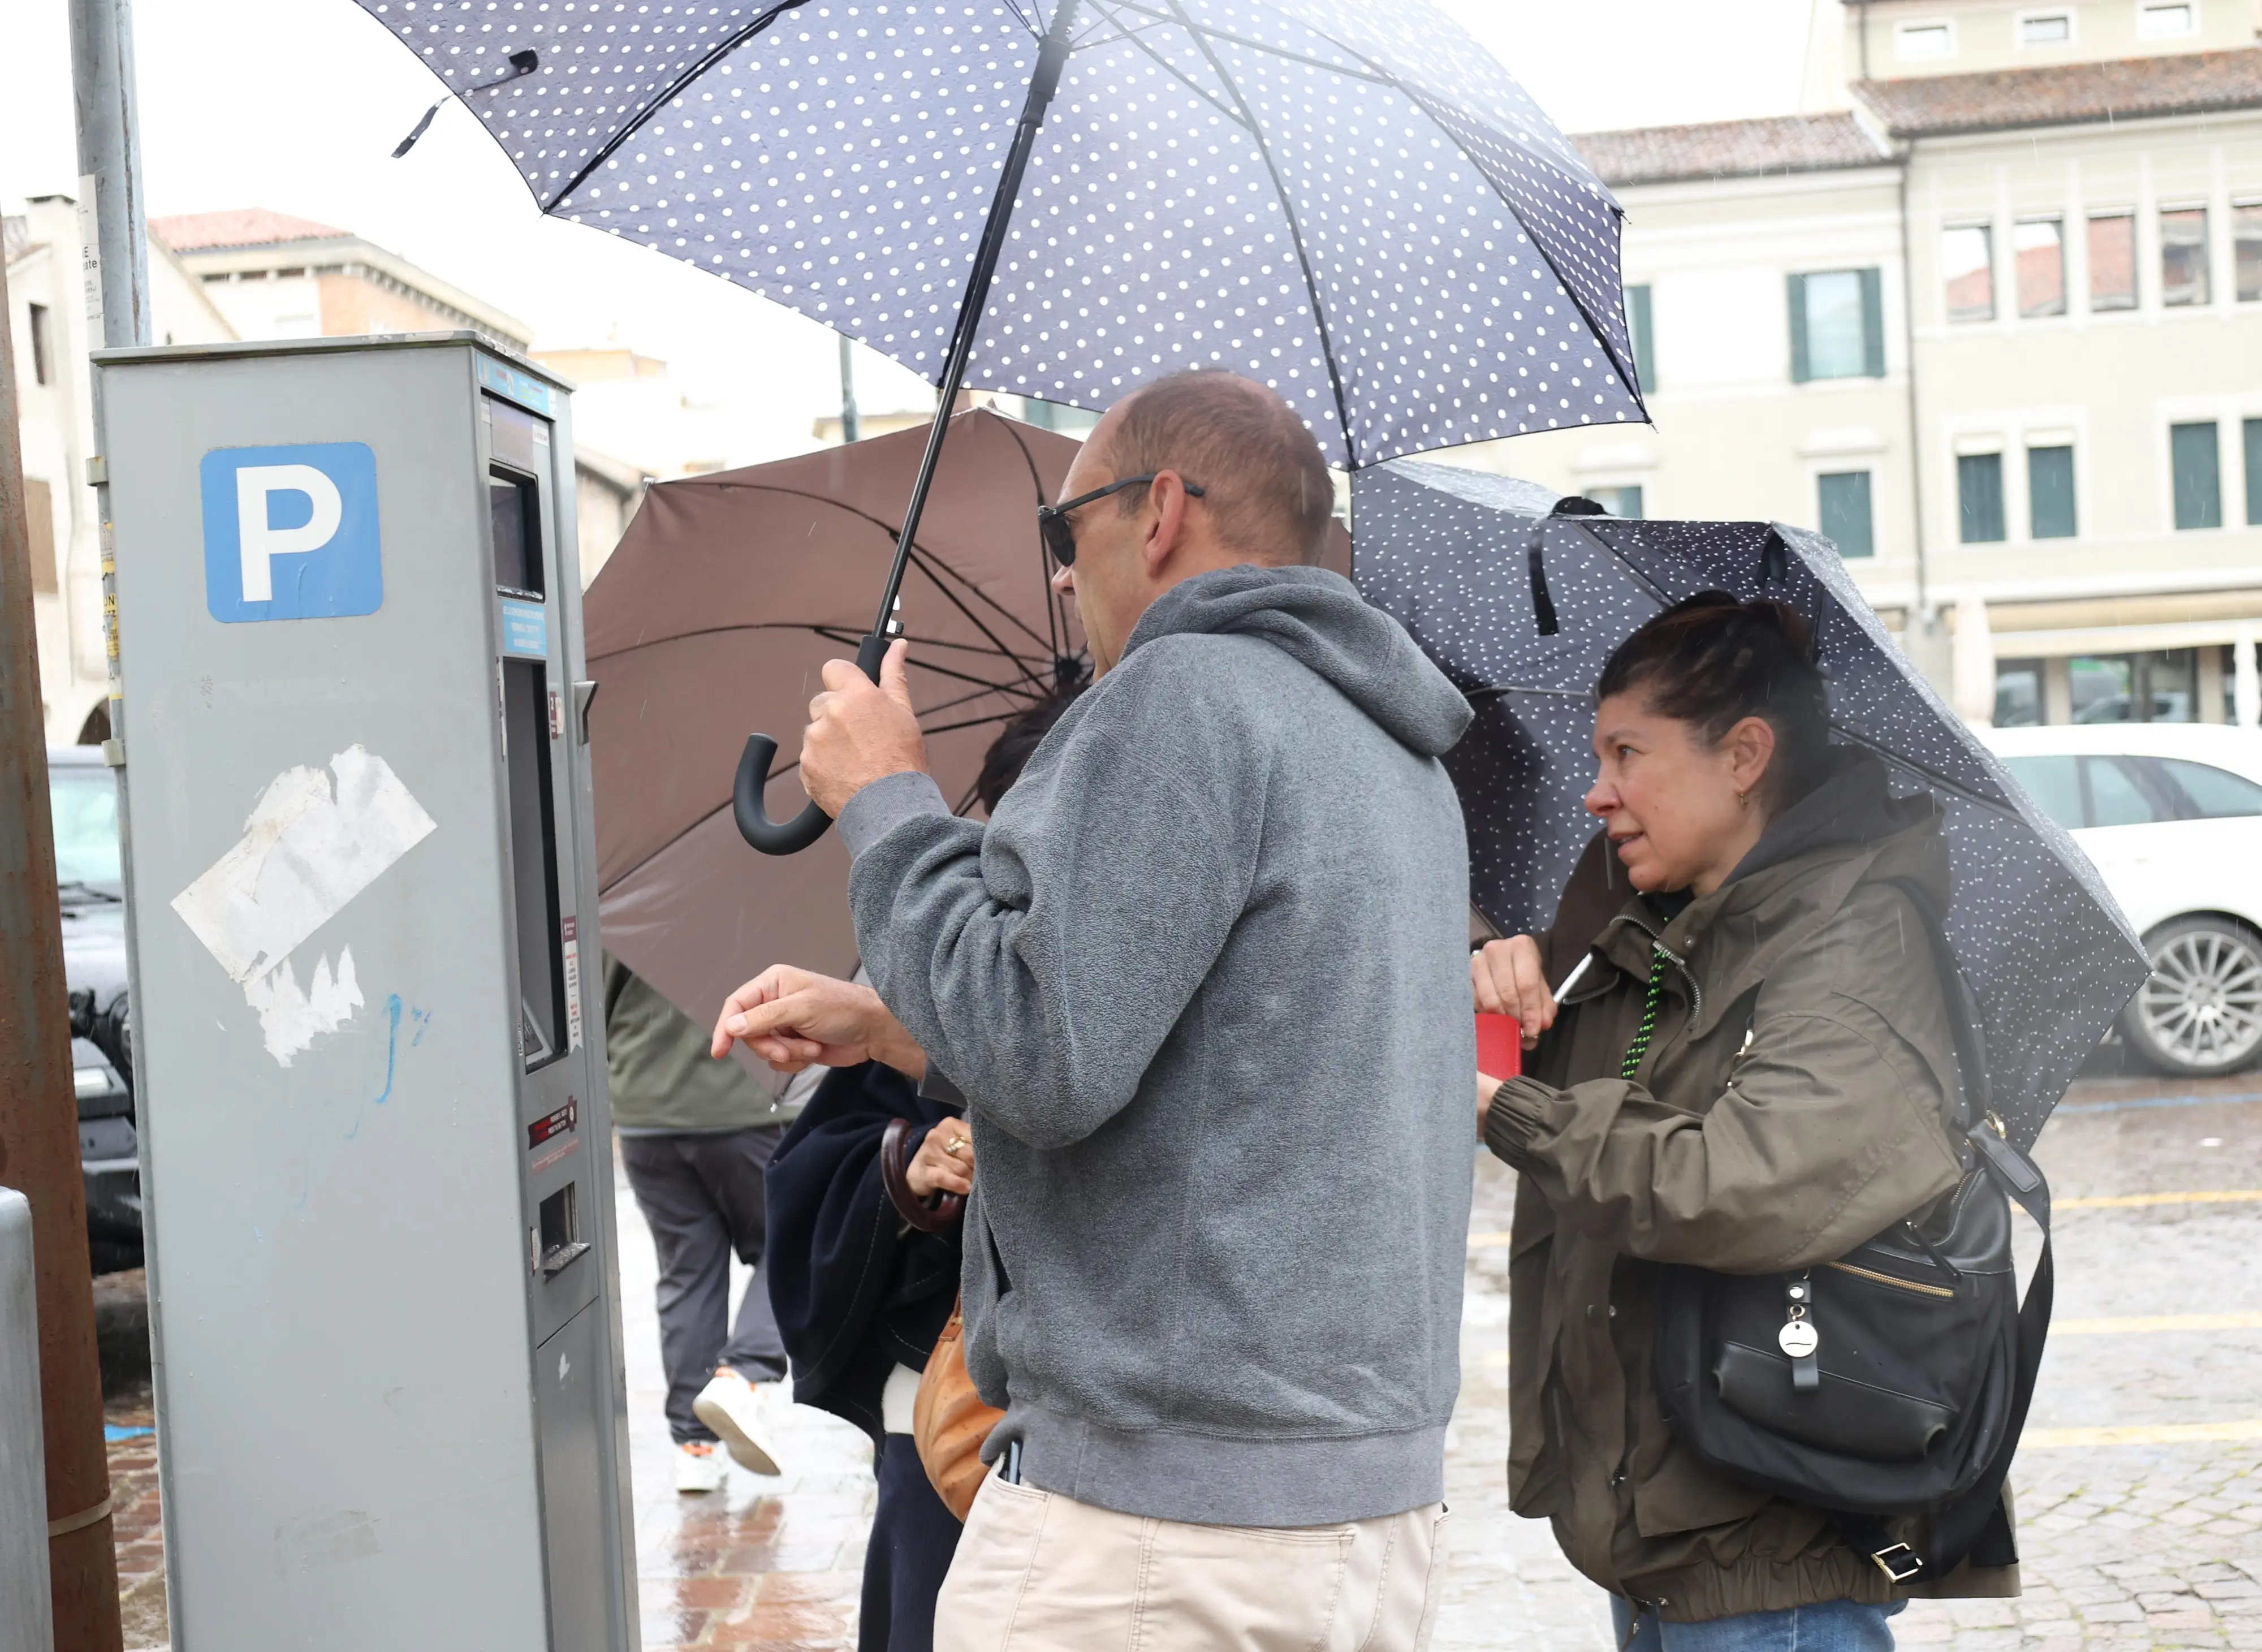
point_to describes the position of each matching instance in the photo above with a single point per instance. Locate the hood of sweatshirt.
(1319, 619)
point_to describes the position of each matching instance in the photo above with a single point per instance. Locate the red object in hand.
(1500, 1046)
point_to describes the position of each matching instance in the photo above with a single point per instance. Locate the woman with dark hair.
(864, 1233)
(1755, 1073)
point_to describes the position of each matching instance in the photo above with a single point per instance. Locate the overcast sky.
(296, 105)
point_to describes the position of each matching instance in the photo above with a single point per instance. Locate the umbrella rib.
(1923, 771)
(1295, 234)
(934, 569)
(846, 636)
(951, 596)
(721, 50)
(979, 694)
(1381, 78)
(1131, 37)
(1055, 617)
(606, 889)
(830, 632)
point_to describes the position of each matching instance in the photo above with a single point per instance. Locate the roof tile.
(1729, 149)
(247, 227)
(2129, 88)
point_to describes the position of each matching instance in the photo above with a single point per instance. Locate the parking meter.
(376, 1146)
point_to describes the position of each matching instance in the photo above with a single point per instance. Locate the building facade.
(47, 319)
(1994, 325)
(213, 277)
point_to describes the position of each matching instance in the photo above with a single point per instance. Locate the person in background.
(1755, 1074)
(863, 1273)
(695, 1136)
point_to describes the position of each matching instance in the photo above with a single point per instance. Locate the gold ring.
(955, 1143)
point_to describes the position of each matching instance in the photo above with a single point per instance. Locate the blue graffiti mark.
(424, 1020)
(392, 1047)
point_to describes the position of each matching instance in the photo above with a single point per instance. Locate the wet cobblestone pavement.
(2140, 1488)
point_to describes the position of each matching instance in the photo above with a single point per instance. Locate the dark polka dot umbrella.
(1352, 203)
(1471, 564)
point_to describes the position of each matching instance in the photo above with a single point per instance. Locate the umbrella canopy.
(1354, 204)
(1451, 554)
(723, 598)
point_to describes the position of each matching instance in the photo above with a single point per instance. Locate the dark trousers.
(702, 1196)
(913, 1537)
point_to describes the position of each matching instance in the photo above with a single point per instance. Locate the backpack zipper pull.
(1798, 1339)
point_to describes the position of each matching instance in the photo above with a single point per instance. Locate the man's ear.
(1166, 497)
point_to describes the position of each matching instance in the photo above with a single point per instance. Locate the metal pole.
(26, 1622)
(114, 251)
(110, 170)
(39, 1107)
(852, 423)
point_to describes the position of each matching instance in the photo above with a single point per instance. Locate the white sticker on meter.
(315, 839)
(572, 949)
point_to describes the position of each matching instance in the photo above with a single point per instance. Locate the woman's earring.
(1743, 800)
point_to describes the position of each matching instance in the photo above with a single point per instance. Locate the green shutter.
(2196, 463)
(1873, 325)
(1798, 293)
(1638, 322)
(2253, 432)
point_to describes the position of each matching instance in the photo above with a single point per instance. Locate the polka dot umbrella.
(1521, 607)
(1354, 203)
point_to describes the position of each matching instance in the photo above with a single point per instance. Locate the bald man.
(1202, 980)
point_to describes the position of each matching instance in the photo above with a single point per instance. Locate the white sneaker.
(699, 1467)
(729, 1406)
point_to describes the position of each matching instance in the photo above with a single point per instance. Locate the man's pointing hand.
(858, 730)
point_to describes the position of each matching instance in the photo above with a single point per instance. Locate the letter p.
(258, 542)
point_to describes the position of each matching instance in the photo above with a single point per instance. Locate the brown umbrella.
(712, 617)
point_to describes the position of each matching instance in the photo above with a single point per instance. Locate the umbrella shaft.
(1052, 56)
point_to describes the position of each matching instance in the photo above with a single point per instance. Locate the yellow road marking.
(2123, 1201)
(2137, 1325)
(2139, 1435)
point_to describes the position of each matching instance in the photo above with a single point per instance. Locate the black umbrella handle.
(788, 837)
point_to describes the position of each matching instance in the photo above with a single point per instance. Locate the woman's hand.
(935, 1168)
(794, 1019)
(1508, 980)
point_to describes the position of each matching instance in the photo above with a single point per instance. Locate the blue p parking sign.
(291, 532)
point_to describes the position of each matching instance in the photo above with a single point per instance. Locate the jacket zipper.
(1888, 1279)
(1696, 992)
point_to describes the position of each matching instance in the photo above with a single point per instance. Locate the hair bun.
(1797, 631)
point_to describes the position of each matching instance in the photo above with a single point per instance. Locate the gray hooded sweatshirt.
(1204, 981)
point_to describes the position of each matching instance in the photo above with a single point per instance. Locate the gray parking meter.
(376, 1147)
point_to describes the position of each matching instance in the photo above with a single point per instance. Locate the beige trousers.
(1038, 1572)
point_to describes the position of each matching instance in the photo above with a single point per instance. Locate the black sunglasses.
(1060, 535)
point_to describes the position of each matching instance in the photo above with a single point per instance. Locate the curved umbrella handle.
(790, 837)
(771, 837)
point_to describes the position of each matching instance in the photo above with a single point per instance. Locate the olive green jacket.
(1794, 1100)
(661, 1078)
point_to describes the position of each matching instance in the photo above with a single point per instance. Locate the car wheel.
(2201, 1012)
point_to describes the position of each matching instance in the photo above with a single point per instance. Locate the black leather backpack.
(1895, 1380)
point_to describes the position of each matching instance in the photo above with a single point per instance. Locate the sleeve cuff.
(885, 805)
(1516, 1114)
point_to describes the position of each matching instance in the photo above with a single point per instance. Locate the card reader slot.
(558, 1223)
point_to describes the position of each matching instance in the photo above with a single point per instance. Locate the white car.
(2171, 813)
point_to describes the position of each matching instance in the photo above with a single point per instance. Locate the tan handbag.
(949, 1422)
